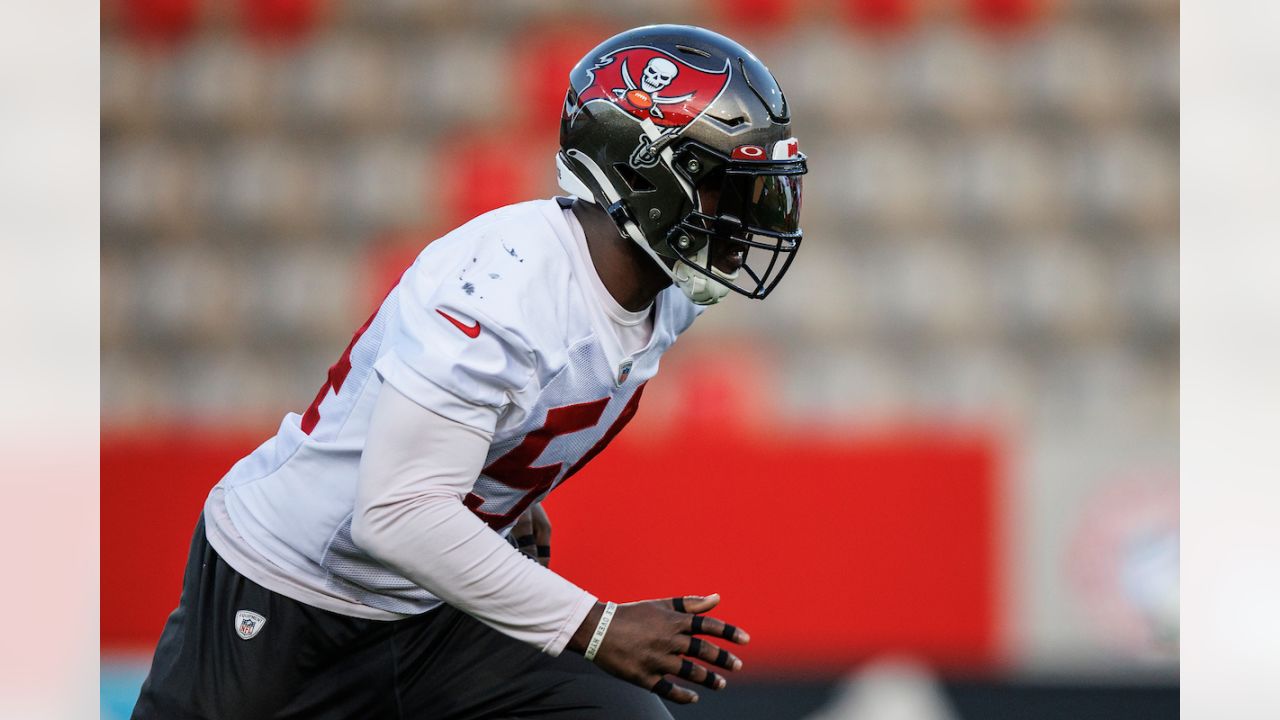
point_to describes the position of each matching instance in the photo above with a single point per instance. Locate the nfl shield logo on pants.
(624, 370)
(248, 624)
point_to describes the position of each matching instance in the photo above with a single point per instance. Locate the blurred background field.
(952, 432)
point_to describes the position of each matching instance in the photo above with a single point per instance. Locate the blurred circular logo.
(1123, 564)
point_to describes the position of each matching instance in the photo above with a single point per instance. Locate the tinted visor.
(753, 229)
(768, 202)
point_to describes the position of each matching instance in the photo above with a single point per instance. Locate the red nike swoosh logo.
(471, 331)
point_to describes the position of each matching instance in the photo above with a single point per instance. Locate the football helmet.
(684, 138)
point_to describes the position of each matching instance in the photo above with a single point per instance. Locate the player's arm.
(416, 468)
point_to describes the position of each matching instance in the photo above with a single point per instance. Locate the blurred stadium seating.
(991, 252)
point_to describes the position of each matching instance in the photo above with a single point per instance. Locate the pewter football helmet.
(684, 137)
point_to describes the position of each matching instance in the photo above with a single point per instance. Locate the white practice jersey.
(499, 313)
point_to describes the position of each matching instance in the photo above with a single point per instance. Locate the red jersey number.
(515, 469)
(337, 375)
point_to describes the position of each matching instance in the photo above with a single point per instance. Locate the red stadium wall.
(828, 550)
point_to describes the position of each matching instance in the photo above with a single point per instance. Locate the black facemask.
(755, 225)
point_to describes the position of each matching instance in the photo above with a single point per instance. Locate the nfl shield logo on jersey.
(624, 370)
(248, 624)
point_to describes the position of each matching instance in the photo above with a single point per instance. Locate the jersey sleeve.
(416, 468)
(450, 354)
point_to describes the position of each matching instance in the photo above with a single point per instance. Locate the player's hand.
(649, 642)
(532, 534)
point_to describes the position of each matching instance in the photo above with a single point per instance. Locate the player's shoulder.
(507, 267)
(521, 238)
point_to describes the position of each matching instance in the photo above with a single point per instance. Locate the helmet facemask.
(743, 232)
(739, 230)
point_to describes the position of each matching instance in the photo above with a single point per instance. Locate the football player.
(364, 562)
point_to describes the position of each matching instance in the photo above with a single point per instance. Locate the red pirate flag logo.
(652, 85)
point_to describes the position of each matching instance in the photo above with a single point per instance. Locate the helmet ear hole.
(634, 180)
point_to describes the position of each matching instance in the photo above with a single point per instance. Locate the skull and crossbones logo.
(658, 73)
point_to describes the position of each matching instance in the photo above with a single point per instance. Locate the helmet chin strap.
(700, 289)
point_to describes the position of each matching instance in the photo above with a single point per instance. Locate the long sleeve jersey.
(502, 360)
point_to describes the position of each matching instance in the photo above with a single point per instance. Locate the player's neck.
(628, 273)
